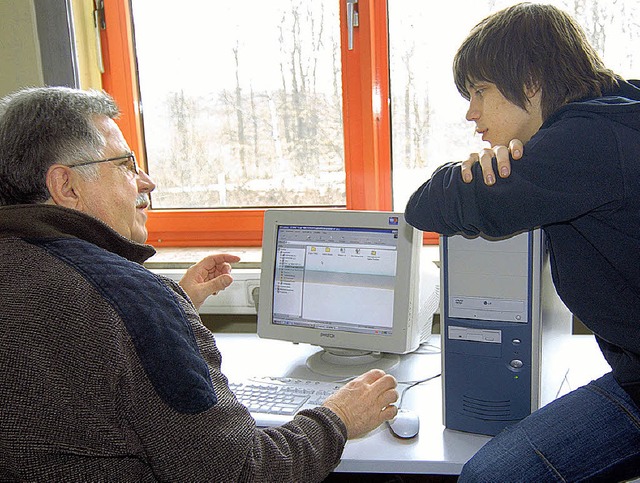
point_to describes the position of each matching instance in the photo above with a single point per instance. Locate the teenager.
(529, 73)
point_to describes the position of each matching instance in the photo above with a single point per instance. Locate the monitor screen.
(344, 280)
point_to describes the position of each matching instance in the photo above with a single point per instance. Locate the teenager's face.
(499, 120)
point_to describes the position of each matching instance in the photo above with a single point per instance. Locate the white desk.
(436, 450)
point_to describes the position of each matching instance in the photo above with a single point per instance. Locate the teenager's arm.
(567, 170)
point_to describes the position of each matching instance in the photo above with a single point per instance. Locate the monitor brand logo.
(327, 334)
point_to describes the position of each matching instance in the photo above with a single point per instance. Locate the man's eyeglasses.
(132, 166)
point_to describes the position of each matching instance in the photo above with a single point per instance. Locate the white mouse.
(406, 424)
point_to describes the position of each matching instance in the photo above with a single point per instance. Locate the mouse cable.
(427, 348)
(411, 384)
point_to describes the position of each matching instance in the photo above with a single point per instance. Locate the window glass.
(428, 114)
(241, 102)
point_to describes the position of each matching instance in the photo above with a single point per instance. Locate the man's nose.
(145, 183)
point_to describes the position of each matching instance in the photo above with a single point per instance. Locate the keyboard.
(273, 401)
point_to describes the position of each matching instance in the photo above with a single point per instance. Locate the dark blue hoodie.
(579, 180)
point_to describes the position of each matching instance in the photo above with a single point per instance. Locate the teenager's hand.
(485, 157)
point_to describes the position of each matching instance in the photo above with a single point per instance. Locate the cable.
(427, 348)
(412, 384)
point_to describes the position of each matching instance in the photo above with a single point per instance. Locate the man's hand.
(365, 402)
(208, 277)
(484, 157)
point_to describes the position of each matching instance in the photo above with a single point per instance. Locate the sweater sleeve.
(222, 442)
(568, 169)
(318, 433)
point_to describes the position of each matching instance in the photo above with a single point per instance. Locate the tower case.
(502, 332)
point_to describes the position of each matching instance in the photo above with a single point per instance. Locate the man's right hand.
(485, 157)
(365, 402)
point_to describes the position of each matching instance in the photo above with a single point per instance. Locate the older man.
(107, 372)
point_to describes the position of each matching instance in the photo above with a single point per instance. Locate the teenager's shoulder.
(603, 113)
(621, 105)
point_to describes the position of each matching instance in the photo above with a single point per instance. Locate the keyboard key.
(274, 401)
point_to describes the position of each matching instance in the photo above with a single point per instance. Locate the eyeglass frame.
(130, 155)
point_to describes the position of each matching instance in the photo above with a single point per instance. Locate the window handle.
(99, 24)
(352, 21)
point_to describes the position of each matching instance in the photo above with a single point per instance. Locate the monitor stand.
(346, 362)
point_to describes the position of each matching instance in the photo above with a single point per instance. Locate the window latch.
(99, 24)
(98, 15)
(352, 21)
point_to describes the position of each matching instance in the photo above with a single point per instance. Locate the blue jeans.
(591, 434)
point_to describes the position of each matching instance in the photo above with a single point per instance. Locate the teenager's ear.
(532, 90)
(60, 183)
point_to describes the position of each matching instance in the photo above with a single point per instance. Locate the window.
(249, 114)
(251, 139)
(366, 147)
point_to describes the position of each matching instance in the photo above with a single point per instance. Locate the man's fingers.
(371, 376)
(389, 412)
(224, 268)
(220, 283)
(384, 384)
(388, 397)
(211, 261)
(365, 402)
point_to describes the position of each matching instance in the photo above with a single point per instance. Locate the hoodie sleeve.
(568, 169)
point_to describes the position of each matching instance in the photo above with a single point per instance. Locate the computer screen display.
(321, 271)
(343, 280)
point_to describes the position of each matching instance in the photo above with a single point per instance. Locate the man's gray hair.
(43, 126)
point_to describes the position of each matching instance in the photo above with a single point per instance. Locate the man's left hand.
(207, 277)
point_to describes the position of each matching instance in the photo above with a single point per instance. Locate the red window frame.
(365, 71)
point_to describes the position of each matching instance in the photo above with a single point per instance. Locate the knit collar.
(39, 221)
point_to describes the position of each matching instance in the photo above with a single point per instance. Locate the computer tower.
(502, 331)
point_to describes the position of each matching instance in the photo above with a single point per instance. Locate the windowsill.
(250, 257)
(184, 257)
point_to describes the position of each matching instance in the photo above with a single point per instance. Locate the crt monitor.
(343, 280)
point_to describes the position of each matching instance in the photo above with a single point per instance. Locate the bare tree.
(239, 113)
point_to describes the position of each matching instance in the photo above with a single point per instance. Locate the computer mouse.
(406, 424)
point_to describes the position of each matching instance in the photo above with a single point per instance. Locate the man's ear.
(60, 183)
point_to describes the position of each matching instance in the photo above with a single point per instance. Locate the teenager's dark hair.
(42, 126)
(531, 46)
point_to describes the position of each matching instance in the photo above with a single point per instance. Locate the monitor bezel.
(404, 337)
